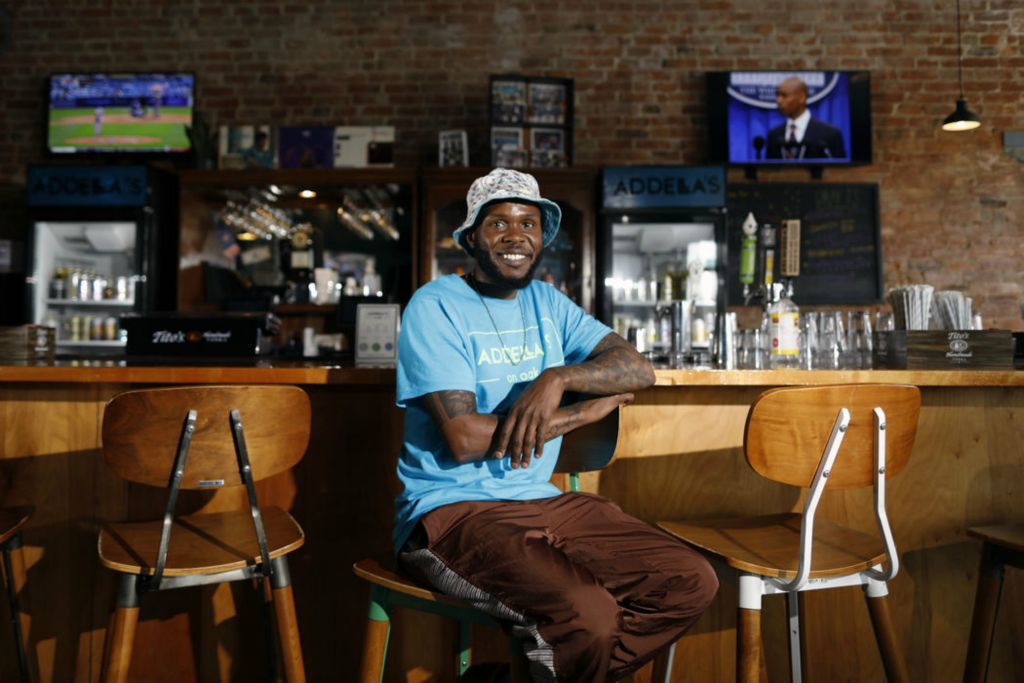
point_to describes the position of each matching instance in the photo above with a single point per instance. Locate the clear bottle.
(371, 280)
(783, 329)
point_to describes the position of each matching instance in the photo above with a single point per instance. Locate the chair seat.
(1006, 535)
(382, 572)
(200, 544)
(11, 521)
(770, 545)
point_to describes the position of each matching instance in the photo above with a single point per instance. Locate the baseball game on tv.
(119, 112)
(790, 117)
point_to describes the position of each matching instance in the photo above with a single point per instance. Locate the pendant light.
(962, 118)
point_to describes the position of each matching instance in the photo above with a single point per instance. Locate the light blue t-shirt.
(451, 340)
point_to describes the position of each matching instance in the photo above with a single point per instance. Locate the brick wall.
(952, 204)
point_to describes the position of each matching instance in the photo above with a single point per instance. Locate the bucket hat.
(502, 185)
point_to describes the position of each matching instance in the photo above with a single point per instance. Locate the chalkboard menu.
(840, 244)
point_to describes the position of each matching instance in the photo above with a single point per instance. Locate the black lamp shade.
(961, 119)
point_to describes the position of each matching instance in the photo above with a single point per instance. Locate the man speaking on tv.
(801, 136)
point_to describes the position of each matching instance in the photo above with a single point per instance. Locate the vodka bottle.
(784, 330)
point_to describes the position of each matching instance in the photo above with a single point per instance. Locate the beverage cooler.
(662, 259)
(102, 242)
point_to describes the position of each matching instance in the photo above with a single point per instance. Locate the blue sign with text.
(658, 187)
(87, 186)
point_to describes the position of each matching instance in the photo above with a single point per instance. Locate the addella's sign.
(656, 187)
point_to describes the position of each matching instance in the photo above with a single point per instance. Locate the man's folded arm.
(469, 434)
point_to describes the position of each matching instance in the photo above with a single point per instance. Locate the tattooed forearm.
(447, 405)
(614, 367)
(566, 419)
(469, 434)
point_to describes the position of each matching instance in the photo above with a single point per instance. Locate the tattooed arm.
(470, 435)
(613, 367)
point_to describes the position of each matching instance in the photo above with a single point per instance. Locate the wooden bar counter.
(684, 461)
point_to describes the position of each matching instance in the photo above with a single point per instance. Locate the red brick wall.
(952, 204)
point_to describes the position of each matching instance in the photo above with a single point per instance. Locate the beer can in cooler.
(85, 287)
(98, 285)
(96, 328)
(110, 332)
(76, 328)
(74, 284)
(121, 289)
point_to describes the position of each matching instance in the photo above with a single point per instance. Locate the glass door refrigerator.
(102, 242)
(662, 259)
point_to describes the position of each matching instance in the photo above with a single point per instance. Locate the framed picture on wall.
(542, 108)
(508, 101)
(452, 148)
(546, 103)
(508, 147)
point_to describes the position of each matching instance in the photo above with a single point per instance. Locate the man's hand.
(524, 430)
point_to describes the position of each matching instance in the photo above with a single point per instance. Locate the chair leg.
(520, 668)
(117, 653)
(794, 609)
(287, 622)
(895, 665)
(983, 622)
(661, 672)
(378, 628)
(463, 648)
(14, 571)
(748, 630)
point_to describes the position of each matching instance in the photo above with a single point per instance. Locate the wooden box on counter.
(944, 350)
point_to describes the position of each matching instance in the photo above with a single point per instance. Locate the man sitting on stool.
(483, 363)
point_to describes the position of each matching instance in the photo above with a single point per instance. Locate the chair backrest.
(787, 429)
(591, 447)
(142, 428)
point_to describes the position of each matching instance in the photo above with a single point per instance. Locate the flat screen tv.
(100, 113)
(779, 118)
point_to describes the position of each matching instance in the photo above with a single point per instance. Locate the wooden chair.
(589, 448)
(193, 438)
(11, 522)
(1003, 545)
(845, 436)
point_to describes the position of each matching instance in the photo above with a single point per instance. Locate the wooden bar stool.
(11, 522)
(589, 448)
(845, 436)
(193, 438)
(1003, 545)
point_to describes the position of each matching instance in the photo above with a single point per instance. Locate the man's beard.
(488, 264)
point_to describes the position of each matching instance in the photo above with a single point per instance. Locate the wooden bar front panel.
(967, 469)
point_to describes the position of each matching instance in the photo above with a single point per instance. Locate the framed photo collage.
(531, 121)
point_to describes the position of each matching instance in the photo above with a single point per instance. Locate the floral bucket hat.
(502, 185)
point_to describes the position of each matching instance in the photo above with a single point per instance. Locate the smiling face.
(507, 244)
(791, 97)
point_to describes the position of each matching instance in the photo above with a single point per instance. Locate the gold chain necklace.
(522, 316)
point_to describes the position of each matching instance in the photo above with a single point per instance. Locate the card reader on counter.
(238, 335)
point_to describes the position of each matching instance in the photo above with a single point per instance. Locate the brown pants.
(591, 592)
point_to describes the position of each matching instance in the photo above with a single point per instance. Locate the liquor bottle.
(371, 280)
(783, 329)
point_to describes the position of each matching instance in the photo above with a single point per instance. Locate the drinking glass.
(831, 341)
(755, 351)
(809, 340)
(865, 340)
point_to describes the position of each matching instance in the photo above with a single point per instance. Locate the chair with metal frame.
(1003, 545)
(192, 438)
(589, 448)
(873, 425)
(11, 522)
